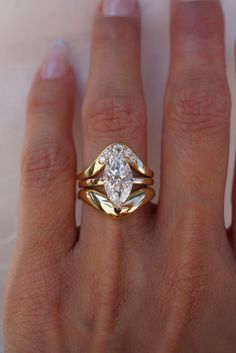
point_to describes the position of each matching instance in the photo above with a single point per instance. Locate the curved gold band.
(118, 181)
(94, 182)
(102, 203)
(100, 161)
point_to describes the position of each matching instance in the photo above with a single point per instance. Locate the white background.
(26, 29)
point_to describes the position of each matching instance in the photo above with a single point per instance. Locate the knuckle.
(114, 118)
(192, 277)
(200, 19)
(30, 297)
(35, 284)
(111, 296)
(47, 162)
(191, 293)
(190, 283)
(199, 108)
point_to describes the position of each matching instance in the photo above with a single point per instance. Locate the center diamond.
(118, 179)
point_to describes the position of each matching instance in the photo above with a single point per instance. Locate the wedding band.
(116, 170)
(94, 182)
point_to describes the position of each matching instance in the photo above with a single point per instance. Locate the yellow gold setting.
(117, 170)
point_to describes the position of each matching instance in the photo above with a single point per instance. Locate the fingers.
(197, 112)
(47, 206)
(114, 108)
(232, 231)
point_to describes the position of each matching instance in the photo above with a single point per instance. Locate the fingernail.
(122, 8)
(56, 63)
(195, 0)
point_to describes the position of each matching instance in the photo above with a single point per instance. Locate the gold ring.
(116, 170)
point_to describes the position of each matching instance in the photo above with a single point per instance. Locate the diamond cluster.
(118, 176)
(117, 148)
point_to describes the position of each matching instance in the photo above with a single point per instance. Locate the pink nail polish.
(121, 8)
(56, 63)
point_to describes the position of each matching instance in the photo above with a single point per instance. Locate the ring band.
(117, 178)
(94, 182)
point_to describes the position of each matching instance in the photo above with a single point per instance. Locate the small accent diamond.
(102, 159)
(130, 155)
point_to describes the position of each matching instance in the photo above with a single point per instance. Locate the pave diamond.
(118, 177)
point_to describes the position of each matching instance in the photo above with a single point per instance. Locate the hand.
(160, 280)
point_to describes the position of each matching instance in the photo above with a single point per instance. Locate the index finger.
(47, 203)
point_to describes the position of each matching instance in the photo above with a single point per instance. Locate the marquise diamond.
(118, 178)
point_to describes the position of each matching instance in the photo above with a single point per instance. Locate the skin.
(160, 280)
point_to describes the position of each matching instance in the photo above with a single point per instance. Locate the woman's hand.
(160, 280)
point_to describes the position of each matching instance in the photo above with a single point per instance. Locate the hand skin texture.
(162, 280)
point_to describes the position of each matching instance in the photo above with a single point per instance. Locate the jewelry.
(117, 178)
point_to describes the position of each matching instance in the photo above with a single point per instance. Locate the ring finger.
(114, 108)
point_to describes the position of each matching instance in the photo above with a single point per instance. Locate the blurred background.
(26, 29)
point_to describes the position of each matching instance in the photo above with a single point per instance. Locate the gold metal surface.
(94, 182)
(102, 203)
(93, 170)
(90, 179)
(96, 167)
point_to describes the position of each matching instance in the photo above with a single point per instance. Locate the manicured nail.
(122, 8)
(56, 63)
(195, 0)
